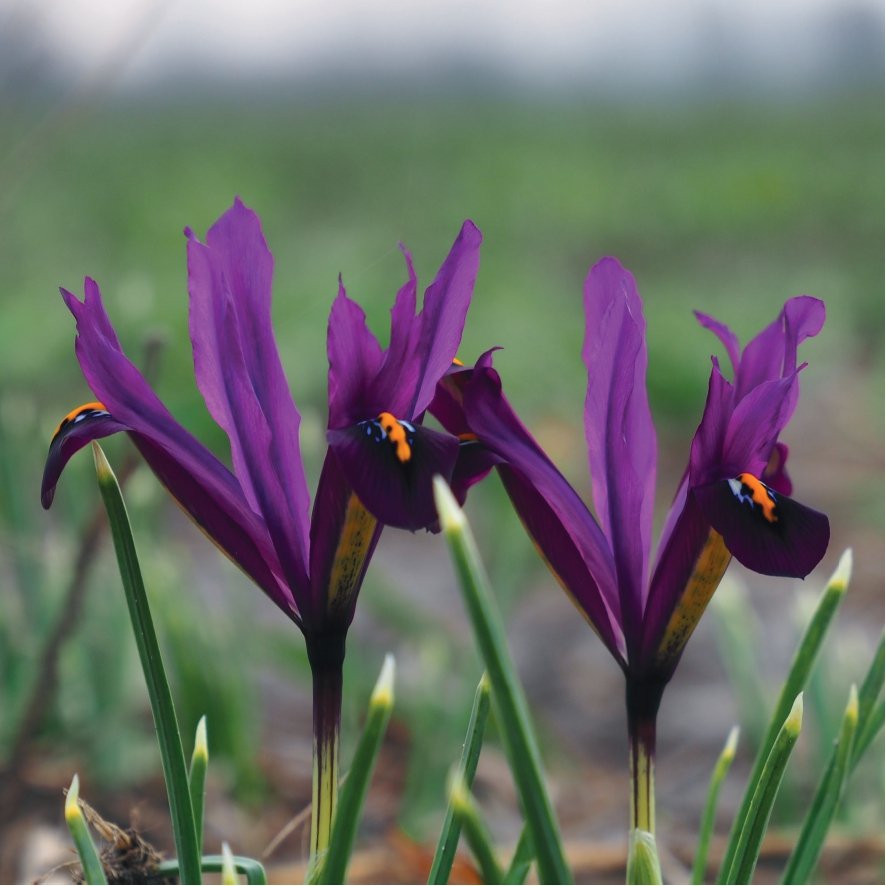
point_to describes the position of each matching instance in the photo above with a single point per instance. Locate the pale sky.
(549, 40)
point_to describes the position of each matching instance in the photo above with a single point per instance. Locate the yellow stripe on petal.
(350, 555)
(706, 576)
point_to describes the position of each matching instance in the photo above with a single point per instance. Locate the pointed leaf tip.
(229, 868)
(452, 518)
(72, 800)
(840, 579)
(383, 693)
(794, 722)
(201, 745)
(851, 714)
(103, 469)
(93, 872)
(731, 745)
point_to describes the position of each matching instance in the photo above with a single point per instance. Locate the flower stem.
(642, 699)
(326, 654)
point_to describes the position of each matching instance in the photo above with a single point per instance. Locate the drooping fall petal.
(392, 473)
(566, 525)
(764, 530)
(79, 427)
(203, 486)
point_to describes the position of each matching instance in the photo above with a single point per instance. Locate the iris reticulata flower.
(378, 466)
(733, 500)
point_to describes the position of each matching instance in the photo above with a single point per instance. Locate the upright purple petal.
(619, 430)
(261, 460)
(755, 424)
(204, 487)
(443, 314)
(355, 358)
(804, 318)
(726, 335)
(707, 445)
(682, 517)
(773, 352)
(776, 472)
(231, 276)
(399, 374)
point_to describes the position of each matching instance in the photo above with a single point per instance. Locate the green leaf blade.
(765, 790)
(444, 855)
(197, 779)
(168, 735)
(524, 853)
(721, 768)
(826, 800)
(93, 872)
(508, 700)
(801, 666)
(333, 866)
(475, 831)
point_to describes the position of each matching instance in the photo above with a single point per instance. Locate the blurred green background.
(728, 207)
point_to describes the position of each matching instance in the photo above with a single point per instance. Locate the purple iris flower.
(380, 460)
(732, 500)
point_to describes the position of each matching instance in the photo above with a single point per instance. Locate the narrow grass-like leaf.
(93, 872)
(724, 762)
(448, 842)
(475, 831)
(520, 864)
(508, 700)
(870, 705)
(212, 864)
(868, 732)
(229, 869)
(766, 786)
(333, 867)
(804, 659)
(826, 800)
(644, 868)
(168, 735)
(197, 778)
